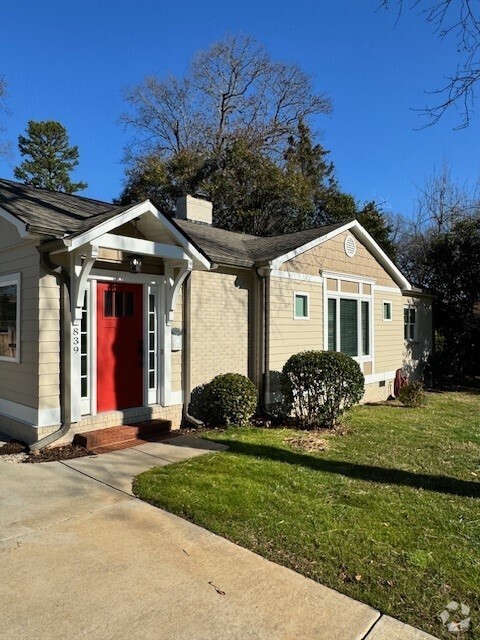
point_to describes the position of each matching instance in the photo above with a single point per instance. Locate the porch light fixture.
(135, 264)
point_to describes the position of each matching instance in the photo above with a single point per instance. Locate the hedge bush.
(412, 395)
(319, 386)
(229, 399)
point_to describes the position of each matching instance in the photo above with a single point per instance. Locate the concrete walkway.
(82, 558)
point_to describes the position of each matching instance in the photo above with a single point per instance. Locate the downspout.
(186, 374)
(264, 341)
(63, 280)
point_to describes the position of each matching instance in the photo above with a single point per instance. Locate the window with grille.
(349, 326)
(409, 323)
(9, 317)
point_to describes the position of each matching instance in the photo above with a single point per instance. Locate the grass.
(388, 514)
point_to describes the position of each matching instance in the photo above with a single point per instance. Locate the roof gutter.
(63, 280)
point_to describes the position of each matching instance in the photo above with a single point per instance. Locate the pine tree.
(49, 158)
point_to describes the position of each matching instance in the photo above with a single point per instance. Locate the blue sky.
(68, 61)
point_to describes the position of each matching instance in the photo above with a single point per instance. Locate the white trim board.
(361, 234)
(294, 275)
(379, 377)
(127, 216)
(382, 289)
(29, 415)
(337, 275)
(277, 262)
(16, 222)
(142, 247)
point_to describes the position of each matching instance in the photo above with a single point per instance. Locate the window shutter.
(332, 324)
(348, 327)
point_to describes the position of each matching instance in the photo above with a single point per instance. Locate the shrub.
(195, 407)
(319, 386)
(229, 399)
(412, 395)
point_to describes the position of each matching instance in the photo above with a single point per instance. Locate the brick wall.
(220, 325)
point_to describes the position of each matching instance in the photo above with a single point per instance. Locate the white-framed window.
(349, 326)
(409, 323)
(84, 351)
(301, 306)
(387, 311)
(10, 317)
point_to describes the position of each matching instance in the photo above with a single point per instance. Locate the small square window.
(301, 306)
(387, 310)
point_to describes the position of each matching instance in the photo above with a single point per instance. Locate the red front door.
(119, 346)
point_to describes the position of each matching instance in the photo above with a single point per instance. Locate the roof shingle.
(59, 214)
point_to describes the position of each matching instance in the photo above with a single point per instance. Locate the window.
(349, 326)
(152, 342)
(300, 306)
(409, 323)
(84, 355)
(387, 310)
(118, 304)
(9, 317)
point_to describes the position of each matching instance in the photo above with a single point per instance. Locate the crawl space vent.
(350, 246)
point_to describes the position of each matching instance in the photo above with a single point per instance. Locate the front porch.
(123, 344)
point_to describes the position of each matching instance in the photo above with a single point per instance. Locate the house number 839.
(76, 340)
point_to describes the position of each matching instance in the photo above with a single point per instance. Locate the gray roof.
(241, 249)
(59, 215)
(52, 213)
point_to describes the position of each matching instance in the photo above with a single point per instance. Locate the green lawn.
(389, 513)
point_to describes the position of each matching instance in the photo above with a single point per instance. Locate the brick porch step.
(123, 436)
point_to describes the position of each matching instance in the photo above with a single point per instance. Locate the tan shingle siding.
(331, 256)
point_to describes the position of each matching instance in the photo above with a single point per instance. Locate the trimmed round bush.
(319, 386)
(229, 399)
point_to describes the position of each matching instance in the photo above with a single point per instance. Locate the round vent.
(350, 246)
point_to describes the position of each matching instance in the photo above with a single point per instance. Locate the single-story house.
(113, 314)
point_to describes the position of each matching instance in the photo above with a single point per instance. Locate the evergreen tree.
(374, 220)
(49, 158)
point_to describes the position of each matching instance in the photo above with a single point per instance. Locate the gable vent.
(350, 246)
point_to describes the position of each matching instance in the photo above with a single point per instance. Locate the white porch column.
(81, 263)
(175, 274)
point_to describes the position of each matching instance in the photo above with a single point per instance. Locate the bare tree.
(460, 19)
(442, 203)
(232, 90)
(4, 146)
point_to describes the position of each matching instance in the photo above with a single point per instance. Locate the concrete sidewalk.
(83, 558)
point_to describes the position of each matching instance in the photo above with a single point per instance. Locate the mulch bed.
(54, 454)
(12, 447)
